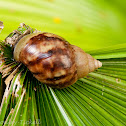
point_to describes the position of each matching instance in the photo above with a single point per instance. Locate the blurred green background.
(90, 24)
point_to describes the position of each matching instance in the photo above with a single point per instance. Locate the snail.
(52, 60)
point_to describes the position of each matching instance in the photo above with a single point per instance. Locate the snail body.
(53, 60)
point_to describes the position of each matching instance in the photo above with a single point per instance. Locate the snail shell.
(52, 60)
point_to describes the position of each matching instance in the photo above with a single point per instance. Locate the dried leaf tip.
(1, 25)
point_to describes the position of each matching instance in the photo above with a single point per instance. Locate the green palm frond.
(99, 99)
(96, 100)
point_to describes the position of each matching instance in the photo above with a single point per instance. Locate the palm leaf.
(100, 98)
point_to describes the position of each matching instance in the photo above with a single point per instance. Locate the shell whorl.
(85, 63)
(93, 63)
(49, 57)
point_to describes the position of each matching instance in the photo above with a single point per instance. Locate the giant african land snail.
(52, 60)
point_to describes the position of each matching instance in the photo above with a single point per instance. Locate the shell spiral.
(49, 57)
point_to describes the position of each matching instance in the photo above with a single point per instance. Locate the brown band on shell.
(51, 59)
(65, 84)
